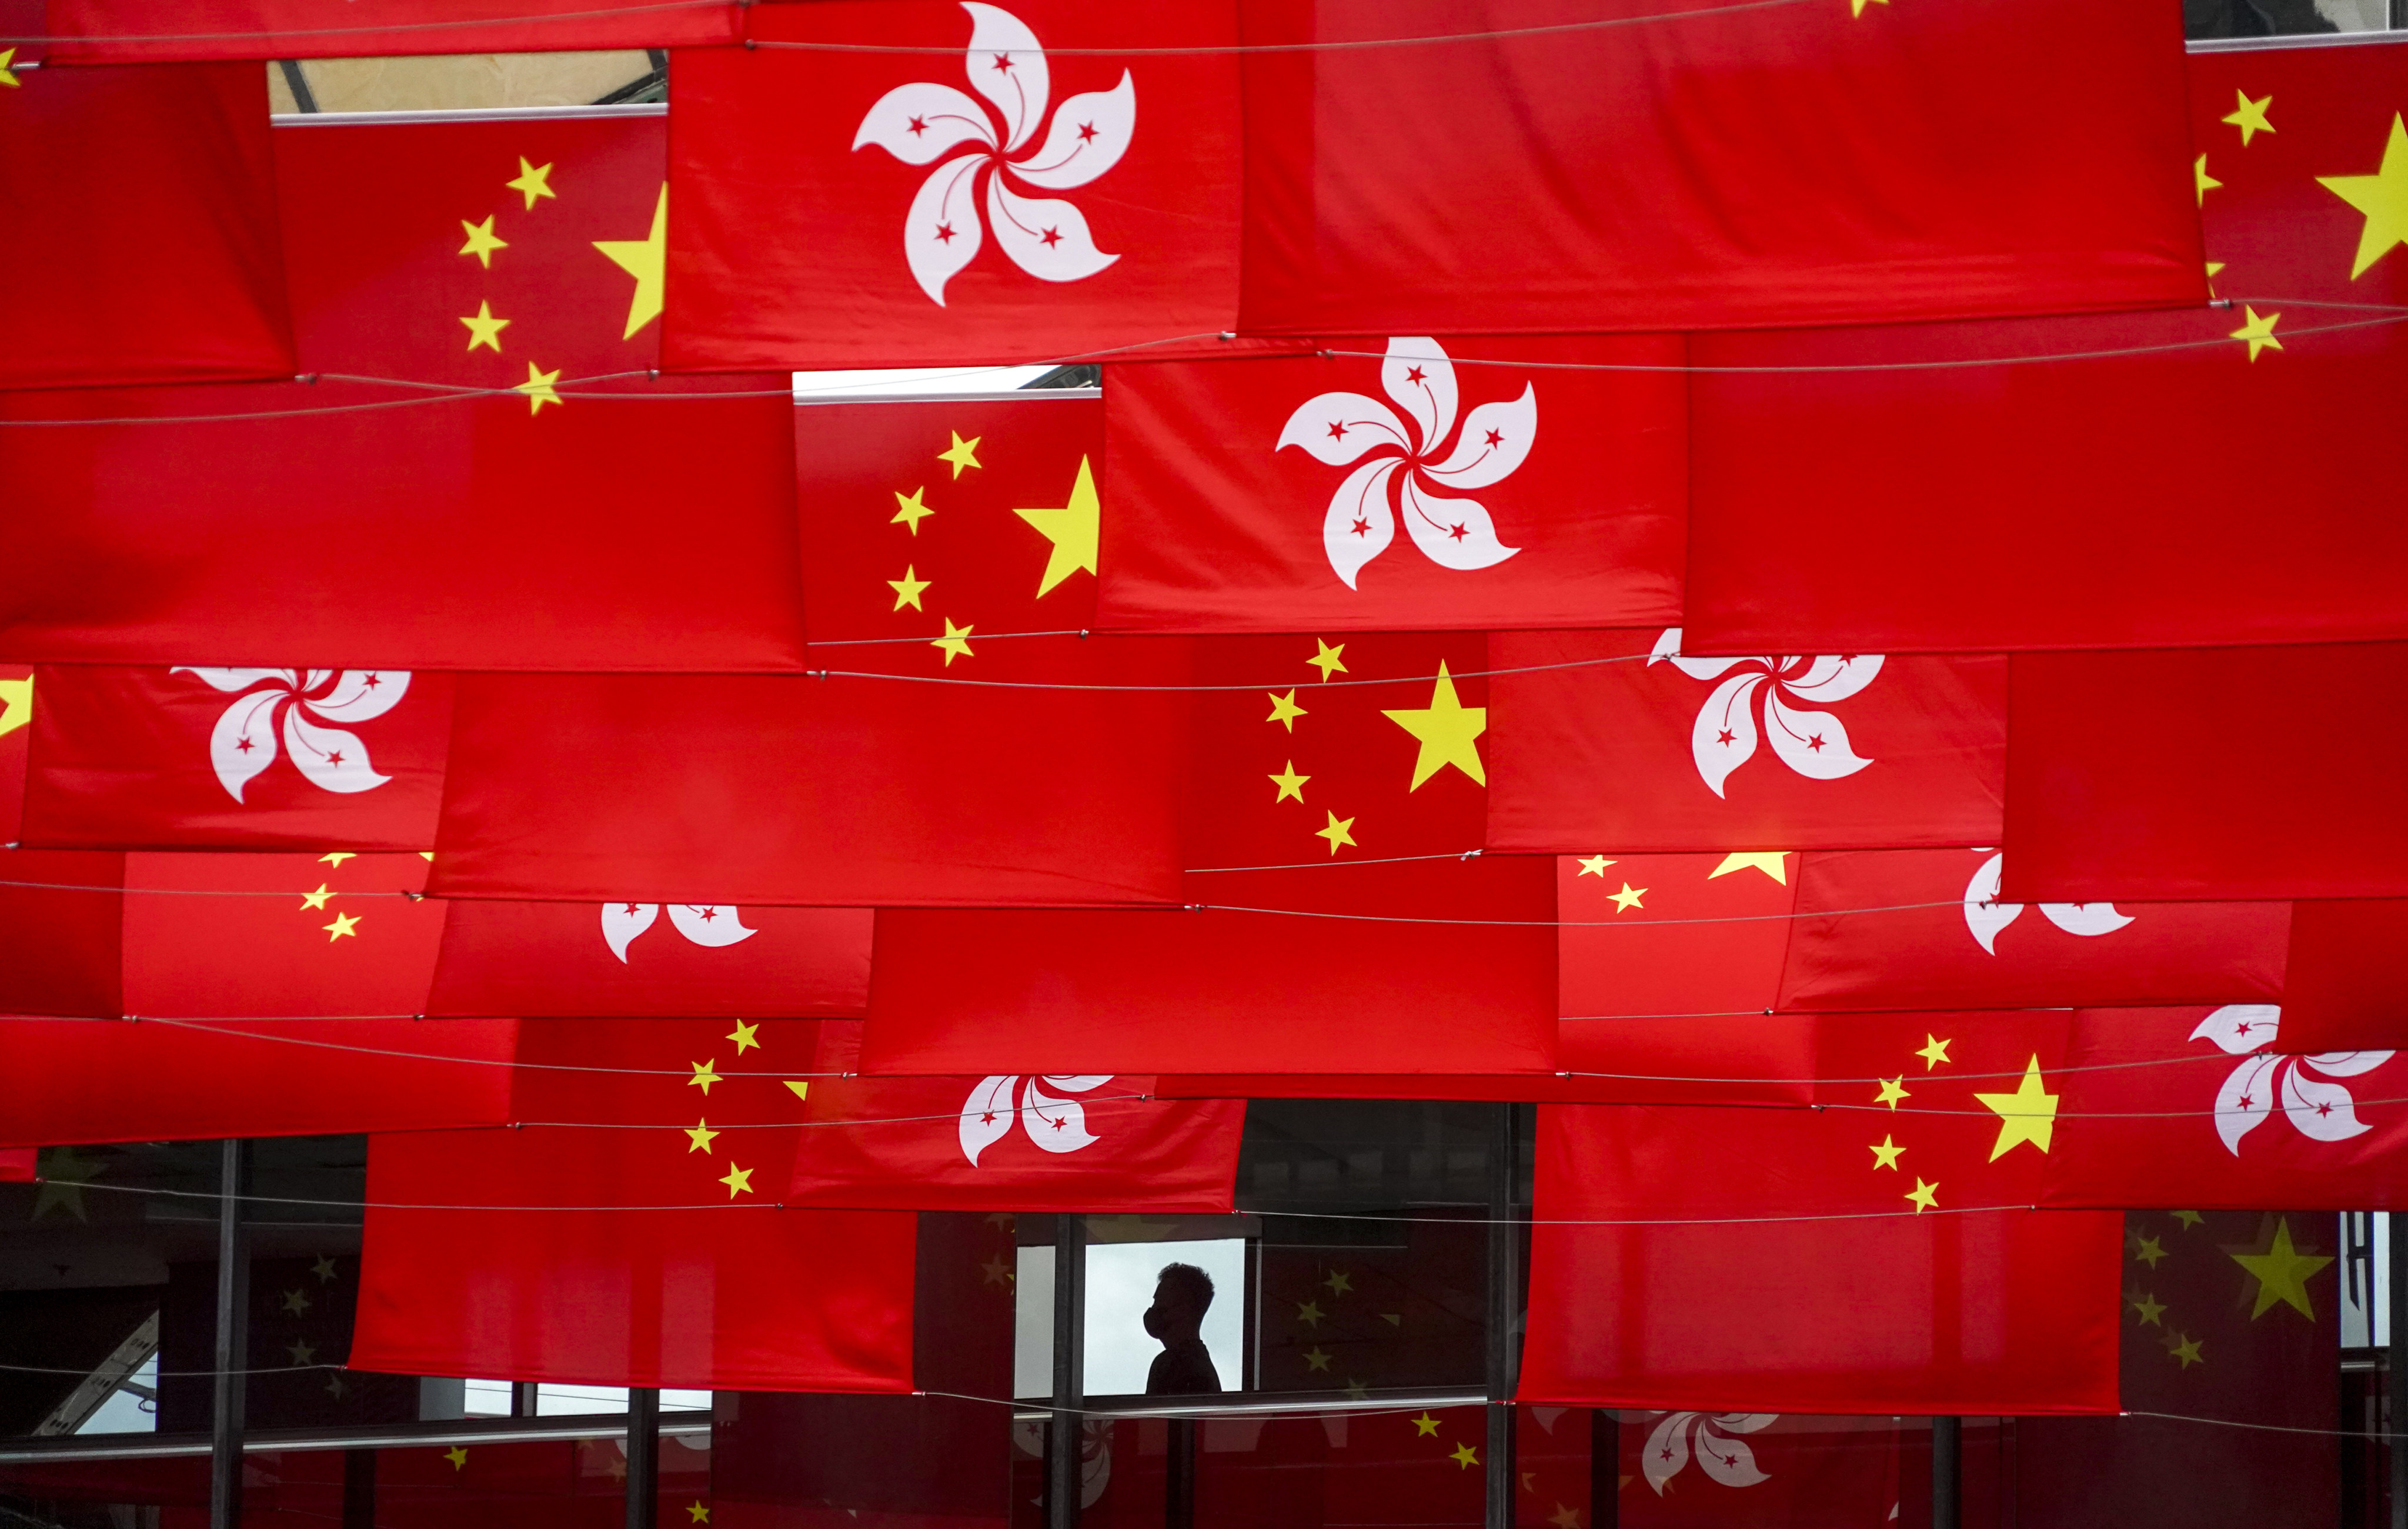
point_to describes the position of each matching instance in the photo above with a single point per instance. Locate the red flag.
(17, 1164)
(843, 200)
(643, 958)
(1927, 929)
(607, 1242)
(2342, 987)
(1745, 1470)
(15, 720)
(1551, 170)
(174, 273)
(1269, 495)
(2213, 772)
(247, 758)
(1838, 751)
(1083, 1143)
(2217, 1107)
(133, 30)
(2099, 502)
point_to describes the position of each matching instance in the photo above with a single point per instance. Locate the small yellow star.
(1073, 529)
(2147, 1251)
(296, 1302)
(647, 260)
(909, 588)
(698, 1513)
(1627, 898)
(2382, 196)
(1340, 833)
(457, 1455)
(16, 704)
(1925, 1195)
(533, 181)
(1892, 1090)
(316, 899)
(2282, 1273)
(7, 76)
(1565, 1518)
(1308, 1313)
(1594, 866)
(743, 1037)
(1285, 710)
(2027, 1114)
(2258, 333)
(705, 1074)
(2190, 1218)
(1423, 1426)
(700, 1135)
(334, 1387)
(909, 511)
(344, 924)
(998, 1271)
(337, 857)
(302, 1352)
(1934, 1051)
(1340, 1283)
(738, 1180)
(482, 241)
(2148, 1310)
(956, 643)
(323, 1269)
(2186, 1350)
(1316, 1360)
(962, 453)
(1290, 784)
(1856, 7)
(486, 330)
(1328, 660)
(2202, 180)
(1773, 863)
(1885, 1153)
(1447, 730)
(539, 388)
(1464, 1456)
(2250, 116)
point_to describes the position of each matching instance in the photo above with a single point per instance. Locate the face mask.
(1153, 1321)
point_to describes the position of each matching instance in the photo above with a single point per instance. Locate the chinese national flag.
(16, 722)
(170, 275)
(540, 508)
(935, 186)
(646, 958)
(1009, 1142)
(1268, 495)
(1594, 746)
(1708, 167)
(2218, 1107)
(17, 1164)
(2097, 499)
(2342, 987)
(112, 31)
(1927, 929)
(609, 1242)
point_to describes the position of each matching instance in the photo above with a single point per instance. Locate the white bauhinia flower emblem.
(1720, 1455)
(922, 123)
(2318, 1107)
(1813, 743)
(1056, 1126)
(304, 701)
(1406, 462)
(1984, 915)
(709, 924)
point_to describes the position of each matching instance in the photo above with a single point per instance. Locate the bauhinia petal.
(1360, 521)
(243, 741)
(1668, 650)
(1723, 738)
(1726, 1460)
(2323, 1111)
(360, 694)
(918, 123)
(1984, 915)
(2347, 1063)
(1338, 427)
(1834, 676)
(1452, 533)
(986, 1114)
(941, 233)
(1080, 1082)
(1007, 65)
(2242, 1104)
(330, 758)
(2239, 1029)
(2085, 919)
(1744, 1422)
(1417, 375)
(711, 925)
(1056, 1126)
(230, 681)
(1089, 134)
(1496, 437)
(622, 922)
(1047, 237)
(1813, 743)
(1667, 1450)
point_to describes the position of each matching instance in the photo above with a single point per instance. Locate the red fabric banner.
(582, 1251)
(17, 1164)
(1809, 521)
(117, 30)
(172, 275)
(63, 909)
(2342, 989)
(863, 207)
(2214, 772)
(2216, 1108)
(16, 736)
(1564, 178)
(1268, 495)
(1009, 1142)
(236, 758)
(1751, 1470)
(1832, 752)
(1927, 929)
(644, 958)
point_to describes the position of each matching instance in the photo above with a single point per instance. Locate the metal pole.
(1947, 1472)
(643, 1457)
(1504, 1309)
(1178, 1476)
(359, 1489)
(1604, 1468)
(232, 1348)
(2395, 1381)
(1063, 1439)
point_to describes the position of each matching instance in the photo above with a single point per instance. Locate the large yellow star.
(909, 511)
(2250, 116)
(316, 899)
(1627, 898)
(962, 453)
(2258, 333)
(1423, 1426)
(1309, 1313)
(16, 704)
(1773, 863)
(486, 330)
(2282, 1273)
(1926, 1194)
(1285, 710)
(2383, 196)
(539, 388)
(1448, 732)
(1316, 1360)
(744, 1036)
(2147, 1251)
(699, 1137)
(705, 1074)
(956, 643)
(1594, 866)
(2201, 180)
(345, 925)
(1340, 833)
(1290, 784)
(1071, 529)
(1934, 1051)
(1892, 1090)
(2148, 1308)
(647, 260)
(2027, 1114)
(533, 181)
(1464, 1456)
(1885, 1153)
(909, 588)
(2185, 1348)
(738, 1180)
(482, 241)
(1328, 660)
(7, 76)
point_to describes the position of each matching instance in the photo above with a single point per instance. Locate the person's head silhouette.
(1182, 1294)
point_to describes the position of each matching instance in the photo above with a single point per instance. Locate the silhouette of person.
(1182, 1294)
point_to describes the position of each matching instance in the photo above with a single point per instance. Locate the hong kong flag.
(88, 31)
(893, 183)
(650, 958)
(1382, 484)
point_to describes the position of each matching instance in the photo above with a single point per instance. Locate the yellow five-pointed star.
(302, 1352)
(1773, 863)
(1071, 529)
(323, 1269)
(1290, 784)
(698, 1513)
(1565, 1518)
(909, 588)
(2201, 180)
(1892, 1090)
(7, 76)
(2250, 116)
(16, 704)
(800, 1089)
(1934, 1052)
(2383, 196)
(1885, 1153)
(956, 643)
(1285, 710)
(2147, 1251)
(1925, 1195)
(486, 330)
(1856, 7)
(539, 388)
(909, 511)
(316, 899)
(962, 453)
(699, 1137)
(533, 181)
(2027, 1114)
(1340, 833)
(1594, 866)
(1316, 1360)
(1329, 660)
(457, 1455)
(1448, 732)
(1340, 1283)
(1464, 1456)
(2148, 1308)
(738, 1180)
(296, 1302)
(345, 923)
(744, 1037)
(705, 1074)
(1425, 1425)
(1309, 1313)
(2282, 1274)
(1627, 898)
(647, 260)
(2188, 1218)
(2186, 1350)
(337, 857)
(2258, 333)
(482, 241)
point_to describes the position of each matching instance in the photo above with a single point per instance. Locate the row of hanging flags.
(425, 584)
